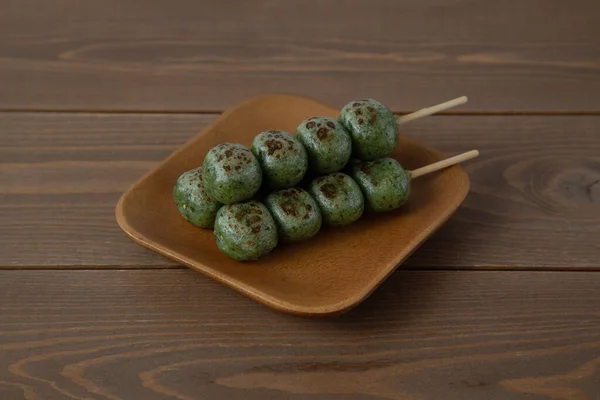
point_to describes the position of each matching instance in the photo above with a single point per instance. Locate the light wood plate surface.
(327, 275)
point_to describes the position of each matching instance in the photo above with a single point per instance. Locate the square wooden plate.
(327, 275)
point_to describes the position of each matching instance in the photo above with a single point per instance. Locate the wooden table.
(502, 303)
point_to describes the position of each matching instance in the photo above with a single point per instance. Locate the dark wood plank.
(534, 200)
(422, 335)
(535, 193)
(209, 55)
(61, 176)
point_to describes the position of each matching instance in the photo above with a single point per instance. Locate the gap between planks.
(496, 268)
(490, 113)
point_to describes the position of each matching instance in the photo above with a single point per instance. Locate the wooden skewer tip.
(436, 166)
(424, 112)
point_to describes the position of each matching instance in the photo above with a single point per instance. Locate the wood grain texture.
(201, 55)
(173, 334)
(534, 200)
(60, 179)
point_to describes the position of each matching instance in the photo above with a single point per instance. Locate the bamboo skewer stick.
(436, 166)
(424, 112)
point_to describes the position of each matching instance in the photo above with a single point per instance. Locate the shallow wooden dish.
(326, 275)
